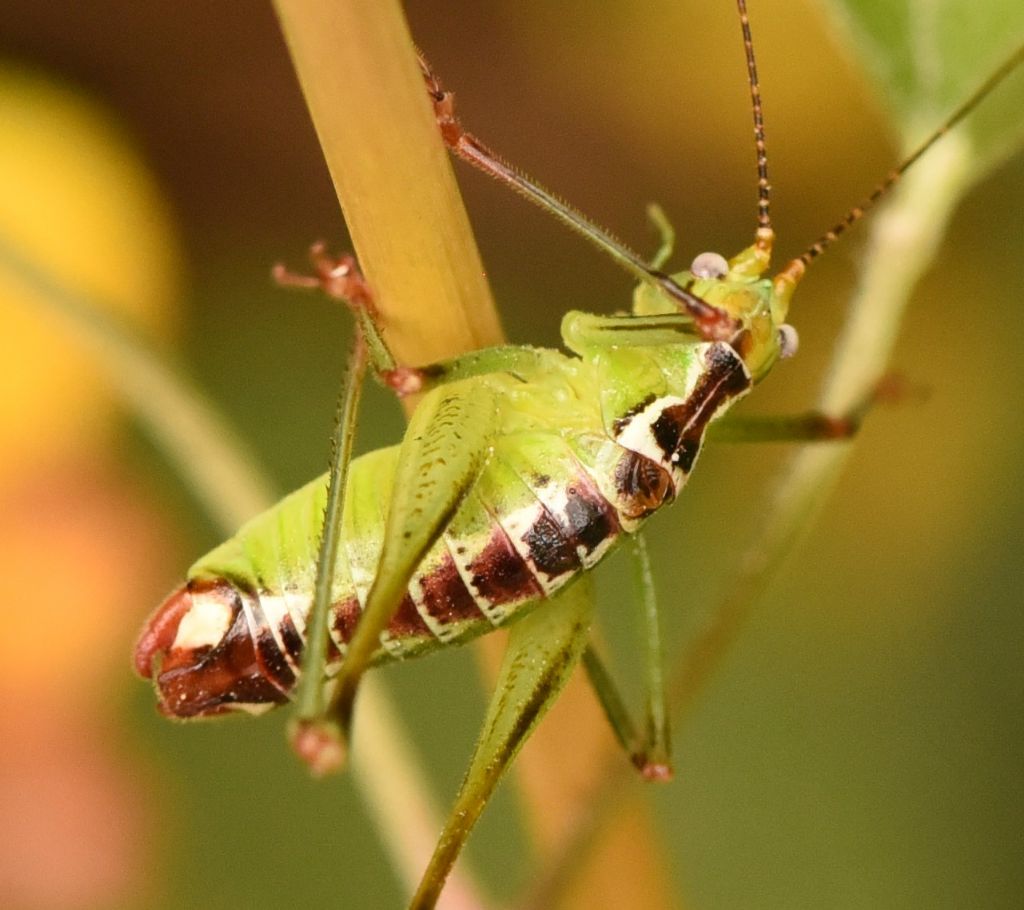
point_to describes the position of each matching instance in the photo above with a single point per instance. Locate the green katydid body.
(568, 452)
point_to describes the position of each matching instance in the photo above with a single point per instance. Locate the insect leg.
(523, 363)
(316, 737)
(655, 755)
(810, 426)
(666, 233)
(650, 750)
(444, 450)
(339, 277)
(543, 648)
(711, 322)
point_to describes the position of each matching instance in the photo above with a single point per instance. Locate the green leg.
(339, 277)
(585, 331)
(712, 321)
(522, 362)
(811, 426)
(651, 750)
(665, 231)
(543, 648)
(436, 470)
(314, 736)
(656, 753)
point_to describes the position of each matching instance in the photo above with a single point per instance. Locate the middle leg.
(649, 748)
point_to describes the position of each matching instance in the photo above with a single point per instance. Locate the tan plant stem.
(366, 96)
(357, 67)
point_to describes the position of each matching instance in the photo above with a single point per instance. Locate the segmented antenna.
(765, 234)
(858, 211)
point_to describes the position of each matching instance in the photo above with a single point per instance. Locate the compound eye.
(789, 341)
(710, 265)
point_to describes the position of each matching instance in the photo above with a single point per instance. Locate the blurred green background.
(862, 746)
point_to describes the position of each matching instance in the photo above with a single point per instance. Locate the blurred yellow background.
(861, 747)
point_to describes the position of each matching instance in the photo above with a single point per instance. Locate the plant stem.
(904, 240)
(357, 67)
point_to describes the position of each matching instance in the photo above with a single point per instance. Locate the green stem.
(904, 241)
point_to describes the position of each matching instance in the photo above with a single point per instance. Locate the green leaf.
(927, 57)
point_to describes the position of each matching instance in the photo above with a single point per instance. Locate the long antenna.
(765, 234)
(858, 211)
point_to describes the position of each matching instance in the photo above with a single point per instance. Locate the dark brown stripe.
(445, 595)
(622, 422)
(272, 661)
(407, 622)
(589, 517)
(346, 617)
(269, 655)
(550, 549)
(203, 682)
(679, 429)
(291, 638)
(500, 575)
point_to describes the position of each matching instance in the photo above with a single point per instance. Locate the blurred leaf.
(927, 58)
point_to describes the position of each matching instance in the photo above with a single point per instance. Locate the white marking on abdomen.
(204, 625)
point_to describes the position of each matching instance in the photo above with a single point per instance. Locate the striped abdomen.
(545, 507)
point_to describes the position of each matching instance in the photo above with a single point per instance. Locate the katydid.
(520, 470)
